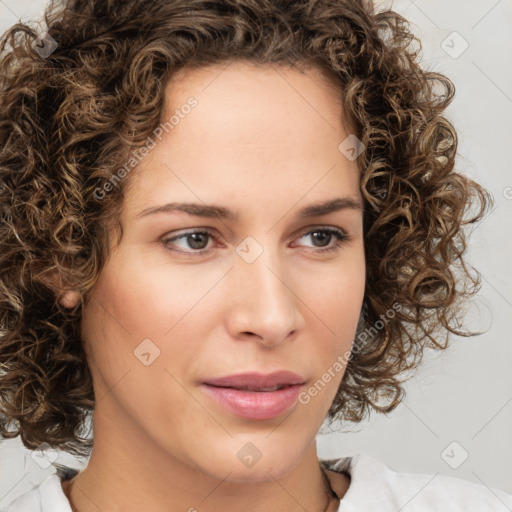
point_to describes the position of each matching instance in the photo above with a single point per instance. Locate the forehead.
(253, 129)
(244, 87)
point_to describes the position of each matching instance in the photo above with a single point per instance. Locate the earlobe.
(68, 298)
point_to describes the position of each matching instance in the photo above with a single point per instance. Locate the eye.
(324, 236)
(197, 240)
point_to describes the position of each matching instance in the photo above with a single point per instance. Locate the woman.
(223, 222)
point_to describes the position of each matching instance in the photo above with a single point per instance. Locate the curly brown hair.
(68, 120)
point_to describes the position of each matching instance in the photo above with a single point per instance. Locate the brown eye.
(324, 237)
(193, 242)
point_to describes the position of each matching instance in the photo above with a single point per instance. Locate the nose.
(262, 306)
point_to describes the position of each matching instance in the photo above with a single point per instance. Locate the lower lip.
(255, 405)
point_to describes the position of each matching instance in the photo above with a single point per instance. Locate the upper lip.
(257, 380)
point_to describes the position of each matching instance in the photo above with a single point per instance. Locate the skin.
(263, 142)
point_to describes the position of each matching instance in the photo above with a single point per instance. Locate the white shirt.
(373, 487)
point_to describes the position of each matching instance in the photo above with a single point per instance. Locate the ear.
(67, 298)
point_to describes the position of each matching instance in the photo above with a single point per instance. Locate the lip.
(257, 380)
(256, 405)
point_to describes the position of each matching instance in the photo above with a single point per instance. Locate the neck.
(122, 476)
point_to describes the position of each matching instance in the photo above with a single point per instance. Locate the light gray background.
(460, 402)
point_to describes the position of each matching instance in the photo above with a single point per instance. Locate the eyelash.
(340, 235)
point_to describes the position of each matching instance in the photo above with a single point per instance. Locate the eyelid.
(319, 227)
(211, 231)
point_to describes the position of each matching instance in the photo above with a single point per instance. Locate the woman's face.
(268, 287)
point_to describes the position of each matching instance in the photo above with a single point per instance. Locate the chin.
(250, 460)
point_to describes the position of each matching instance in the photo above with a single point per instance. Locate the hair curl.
(69, 120)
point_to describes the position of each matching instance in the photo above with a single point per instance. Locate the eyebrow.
(220, 212)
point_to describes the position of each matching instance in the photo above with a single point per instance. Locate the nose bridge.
(264, 303)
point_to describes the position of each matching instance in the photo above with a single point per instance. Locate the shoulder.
(374, 483)
(43, 497)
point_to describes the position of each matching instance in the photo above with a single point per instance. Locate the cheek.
(133, 364)
(335, 308)
(335, 295)
(141, 300)
(136, 310)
